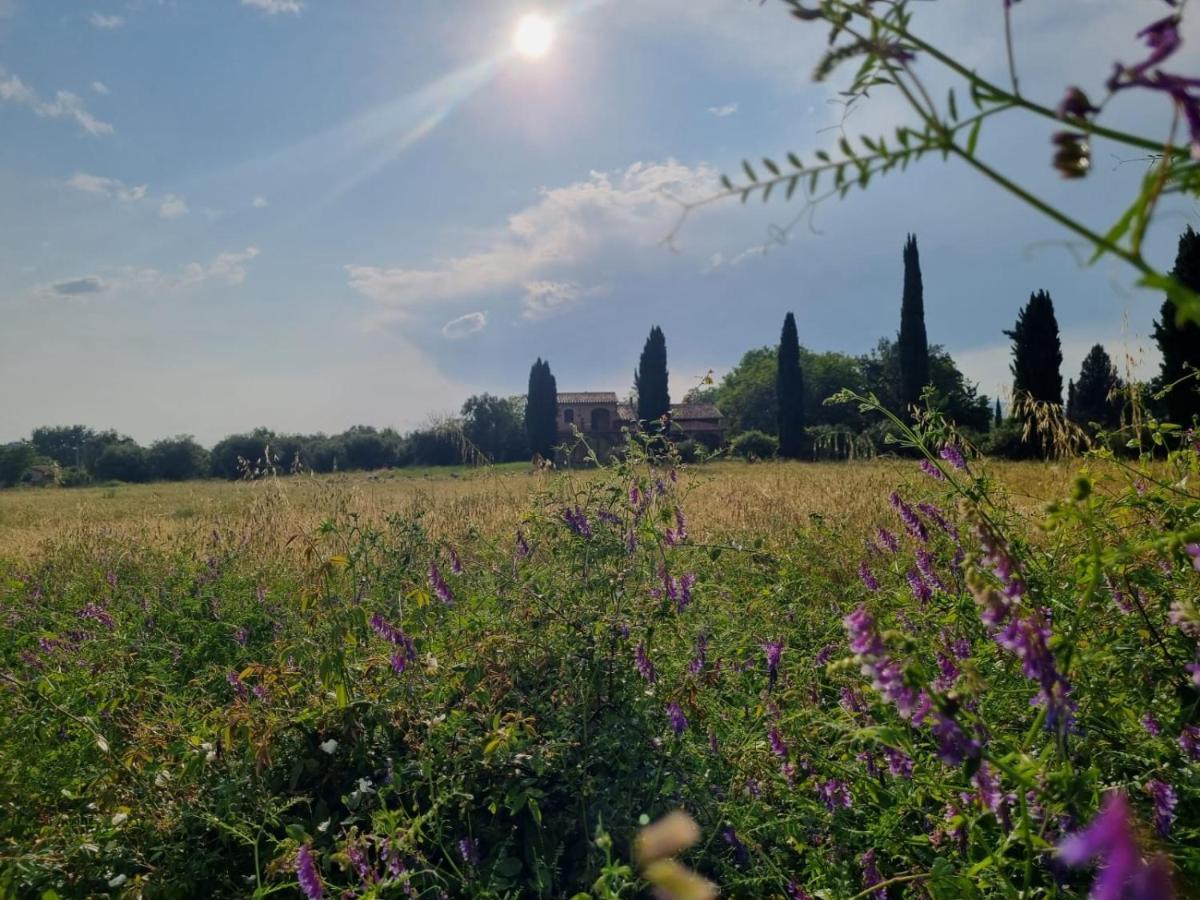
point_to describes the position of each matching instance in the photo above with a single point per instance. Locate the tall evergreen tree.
(999, 419)
(1072, 406)
(650, 379)
(1180, 345)
(789, 391)
(1095, 396)
(1037, 351)
(541, 410)
(913, 343)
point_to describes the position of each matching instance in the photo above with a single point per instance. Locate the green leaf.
(791, 188)
(795, 160)
(973, 137)
(746, 167)
(953, 104)
(726, 183)
(771, 167)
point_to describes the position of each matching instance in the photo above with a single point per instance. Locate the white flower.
(120, 818)
(161, 779)
(324, 826)
(329, 746)
(117, 881)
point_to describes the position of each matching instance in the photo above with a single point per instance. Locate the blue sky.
(308, 214)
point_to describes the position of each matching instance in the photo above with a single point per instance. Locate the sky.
(309, 214)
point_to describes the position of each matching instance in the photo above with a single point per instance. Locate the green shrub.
(753, 445)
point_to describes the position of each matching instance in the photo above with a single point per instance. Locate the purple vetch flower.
(456, 566)
(679, 722)
(358, 858)
(1027, 639)
(696, 666)
(678, 534)
(94, 612)
(260, 693)
(953, 455)
(868, 760)
(948, 673)
(928, 572)
(307, 875)
(522, 545)
(954, 745)
(774, 652)
(396, 637)
(1189, 741)
(886, 675)
(712, 742)
(932, 471)
(439, 586)
(887, 540)
(912, 522)
(684, 587)
(996, 554)
(1122, 873)
(1151, 725)
(778, 746)
(1139, 485)
(578, 521)
(1193, 550)
(235, 682)
(899, 762)
(631, 542)
(468, 849)
(920, 590)
(871, 875)
(740, 854)
(1194, 669)
(635, 497)
(242, 635)
(834, 794)
(644, 665)
(991, 797)
(867, 576)
(825, 654)
(795, 892)
(936, 516)
(1119, 597)
(1165, 800)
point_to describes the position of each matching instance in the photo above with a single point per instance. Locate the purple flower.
(358, 858)
(835, 793)
(948, 673)
(935, 515)
(740, 855)
(899, 762)
(678, 534)
(1193, 550)
(1027, 639)
(635, 498)
(795, 892)
(1165, 800)
(928, 572)
(92, 611)
(920, 590)
(1189, 741)
(468, 849)
(1151, 725)
(825, 654)
(953, 455)
(395, 636)
(522, 545)
(774, 651)
(456, 566)
(644, 665)
(868, 578)
(696, 666)
(887, 540)
(1122, 874)
(886, 675)
(778, 747)
(578, 521)
(953, 744)
(871, 875)
(241, 636)
(911, 521)
(630, 542)
(306, 874)
(439, 586)
(684, 586)
(237, 684)
(679, 722)
(931, 470)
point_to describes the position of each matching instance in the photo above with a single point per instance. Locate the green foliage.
(123, 462)
(15, 458)
(789, 392)
(1179, 342)
(177, 459)
(1097, 395)
(541, 410)
(755, 445)
(495, 425)
(650, 381)
(912, 344)
(1037, 351)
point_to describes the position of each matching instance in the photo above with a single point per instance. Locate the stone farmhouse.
(599, 417)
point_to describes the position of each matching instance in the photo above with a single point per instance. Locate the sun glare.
(533, 36)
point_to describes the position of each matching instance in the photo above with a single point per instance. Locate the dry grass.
(771, 500)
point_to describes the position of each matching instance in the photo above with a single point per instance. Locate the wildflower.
(439, 586)
(778, 746)
(871, 875)
(824, 654)
(1193, 550)
(835, 793)
(928, 572)
(468, 849)
(712, 741)
(684, 588)
(1122, 873)
(948, 673)
(259, 692)
(635, 497)
(953, 744)
(1165, 799)
(899, 762)
(935, 515)
(608, 517)
(921, 591)
(456, 566)
(885, 672)
(774, 651)
(237, 684)
(358, 859)
(94, 612)
(953, 455)
(1073, 158)
(679, 533)
(911, 521)
(1189, 741)
(306, 874)
(795, 892)
(395, 636)
(522, 545)
(329, 746)
(578, 521)
(867, 576)
(1151, 725)
(644, 665)
(932, 471)
(631, 542)
(740, 854)
(887, 540)
(996, 554)
(696, 666)
(1027, 638)
(679, 722)
(241, 636)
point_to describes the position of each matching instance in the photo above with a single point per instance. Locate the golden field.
(725, 499)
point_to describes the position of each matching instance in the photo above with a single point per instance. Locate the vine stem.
(884, 885)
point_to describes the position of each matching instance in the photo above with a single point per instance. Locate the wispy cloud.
(471, 323)
(101, 88)
(568, 228)
(64, 105)
(275, 7)
(77, 287)
(259, 202)
(172, 207)
(108, 187)
(106, 22)
(227, 268)
(722, 111)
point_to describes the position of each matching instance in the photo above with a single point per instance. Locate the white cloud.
(722, 111)
(109, 187)
(64, 105)
(227, 268)
(568, 228)
(104, 22)
(544, 299)
(471, 323)
(259, 202)
(173, 207)
(101, 88)
(275, 7)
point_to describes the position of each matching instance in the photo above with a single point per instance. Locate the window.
(568, 416)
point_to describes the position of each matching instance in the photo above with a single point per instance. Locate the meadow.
(919, 676)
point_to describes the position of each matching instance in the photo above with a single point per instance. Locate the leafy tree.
(914, 345)
(228, 455)
(15, 458)
(1180, 344)
(789, 391)
(1096, 397)
(65, 444)
(1037, 351)
(746, 395)
(755, 445)
(123, 462)
(493, 425)
(541, 410)
(953, 395)
(177, 459)
(366, 448)
(650, 379)
(436, 445)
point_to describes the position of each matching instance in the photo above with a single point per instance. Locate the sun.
(533, 36)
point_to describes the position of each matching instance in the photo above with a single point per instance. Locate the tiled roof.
(589, 397)
(695, 411)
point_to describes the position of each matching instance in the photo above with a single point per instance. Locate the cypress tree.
(1072, 410)
(541, 410)
(999, 420)
(1095, 399)
(789, 391)
(650, 379)
(913, 344)
(1180, 345)
(1037, 351)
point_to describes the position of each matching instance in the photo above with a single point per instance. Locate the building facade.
(599, 417)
